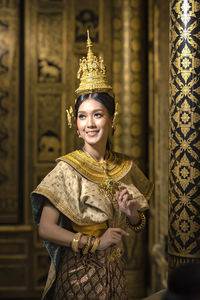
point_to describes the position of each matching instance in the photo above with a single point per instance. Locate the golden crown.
(92, 73)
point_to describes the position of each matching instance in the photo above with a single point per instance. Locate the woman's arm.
(50, 231)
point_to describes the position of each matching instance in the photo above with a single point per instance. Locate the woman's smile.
(92, 133)
(94, 123)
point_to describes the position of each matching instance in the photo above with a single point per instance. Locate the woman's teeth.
(91, 133)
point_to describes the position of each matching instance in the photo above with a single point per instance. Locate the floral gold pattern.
(184, 190)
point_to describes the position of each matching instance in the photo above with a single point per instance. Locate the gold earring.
(70, 116)
(80, 137)
(113, 129)
(115, 117)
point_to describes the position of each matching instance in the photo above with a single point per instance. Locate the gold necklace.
(108, 186)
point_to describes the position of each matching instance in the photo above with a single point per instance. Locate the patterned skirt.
(91, 277)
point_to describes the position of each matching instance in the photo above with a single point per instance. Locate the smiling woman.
(94, 122)
(83, 206)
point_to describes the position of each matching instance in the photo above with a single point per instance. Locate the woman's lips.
(91, 133)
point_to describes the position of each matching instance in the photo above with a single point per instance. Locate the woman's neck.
(96, 154)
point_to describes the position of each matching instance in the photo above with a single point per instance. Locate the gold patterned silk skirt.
(90, 276)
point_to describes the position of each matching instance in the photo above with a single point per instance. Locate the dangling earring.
(80, 137)
(70, 116)
(113, 129)
(114, 122)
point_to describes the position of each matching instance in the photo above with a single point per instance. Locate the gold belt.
(95, 230)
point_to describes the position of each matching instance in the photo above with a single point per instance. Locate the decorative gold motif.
(115, 115)
(115, 253)
(48, 143)
(95, 245)
(70, 116)
(139, 227)
(118, 165)
(184, 133)
(49, 45)
(87, 246)
(9, 112)
(92, 73)
(109, 187)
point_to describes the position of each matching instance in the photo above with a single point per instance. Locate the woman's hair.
(103, 98)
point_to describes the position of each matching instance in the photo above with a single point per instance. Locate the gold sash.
(95, 230)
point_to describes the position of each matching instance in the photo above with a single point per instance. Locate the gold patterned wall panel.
(45, 92)
(49, 47)
(55, 35)
(9, 111)
(184, 118)
(129, 83)
(48, 131)
(130, 77)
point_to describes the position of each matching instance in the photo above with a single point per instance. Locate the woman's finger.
(121, 231)
(124, 192)
(125, 198)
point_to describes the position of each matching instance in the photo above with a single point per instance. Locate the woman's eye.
(81, 117)
(98, 115)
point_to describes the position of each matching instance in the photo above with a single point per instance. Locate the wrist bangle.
(87, 246)
(75, 241)
(95, 245)
(139, 227)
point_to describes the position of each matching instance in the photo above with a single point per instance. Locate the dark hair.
(103, 98)
(184, 283)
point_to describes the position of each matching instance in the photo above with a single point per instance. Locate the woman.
(83, 204)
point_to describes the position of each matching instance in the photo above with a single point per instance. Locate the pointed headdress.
(92, 73)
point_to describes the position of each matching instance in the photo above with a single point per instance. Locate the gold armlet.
(95, 245)
(75, 241)
(140, 227)
(87, 246)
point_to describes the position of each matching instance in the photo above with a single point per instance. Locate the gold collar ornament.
(92, 73)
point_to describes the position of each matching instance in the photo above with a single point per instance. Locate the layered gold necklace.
(108, 186)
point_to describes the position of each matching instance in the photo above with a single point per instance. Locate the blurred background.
(41, 42)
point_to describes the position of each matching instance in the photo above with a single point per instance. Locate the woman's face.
(94, 122)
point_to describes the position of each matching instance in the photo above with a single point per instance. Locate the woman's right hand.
(111, 237)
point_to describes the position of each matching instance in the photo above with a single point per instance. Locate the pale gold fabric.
(80, 199)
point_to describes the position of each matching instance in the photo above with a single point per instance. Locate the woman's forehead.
(91, 104)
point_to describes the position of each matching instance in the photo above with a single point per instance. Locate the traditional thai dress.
(83, 191)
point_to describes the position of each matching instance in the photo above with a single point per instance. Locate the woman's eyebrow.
(96, 110)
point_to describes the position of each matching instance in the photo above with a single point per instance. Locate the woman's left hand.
(127, 204)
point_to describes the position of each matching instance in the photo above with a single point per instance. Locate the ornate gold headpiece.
(92, 73)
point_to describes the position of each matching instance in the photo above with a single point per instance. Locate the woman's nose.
(90, 121)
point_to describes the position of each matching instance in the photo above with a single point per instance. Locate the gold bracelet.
(75, 241)
(87, 246)
(95, 245)
(139, 227)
